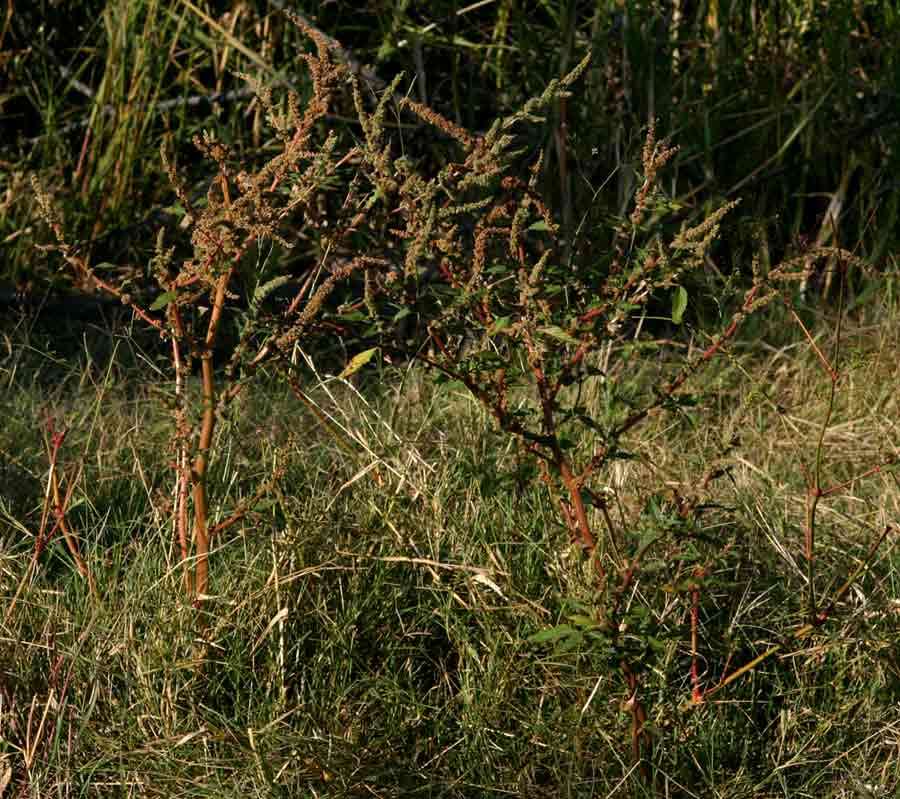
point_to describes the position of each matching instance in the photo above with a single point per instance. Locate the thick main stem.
(198, 476)
(641, 743)
(207, 428)
(581, 519)
(182, 468)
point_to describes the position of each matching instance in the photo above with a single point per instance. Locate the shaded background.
(792, 106)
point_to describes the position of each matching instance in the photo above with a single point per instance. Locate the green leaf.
(500, 323)
(569, 643)
(539, 226)
(357, 362)
(555, 331)
(163, 300)
(454, 385)
(552, 634)
(679, 304)
(264, 290)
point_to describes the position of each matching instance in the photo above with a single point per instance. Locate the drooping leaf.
(265, 289)
(552, 634)
(555, 331)
(501, 323)
(163, 300)
(357, 362)
(679, 304)
(569, 643)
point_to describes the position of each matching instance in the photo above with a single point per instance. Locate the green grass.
(791, 108)
(368, 628)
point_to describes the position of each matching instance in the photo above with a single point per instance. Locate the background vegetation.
(402, 613)
(791, 106)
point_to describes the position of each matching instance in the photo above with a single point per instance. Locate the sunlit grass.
(367, 627)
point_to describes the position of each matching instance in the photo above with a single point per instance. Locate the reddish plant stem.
(59, 512)
(583, 527)
(696, 692)
(805, 630)
(827, 492)
(641, 743)
(59, 505)
(208, 426)
(182, 460)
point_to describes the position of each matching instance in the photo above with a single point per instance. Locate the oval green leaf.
(679, 304)
(357, 362)
(163, 300)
